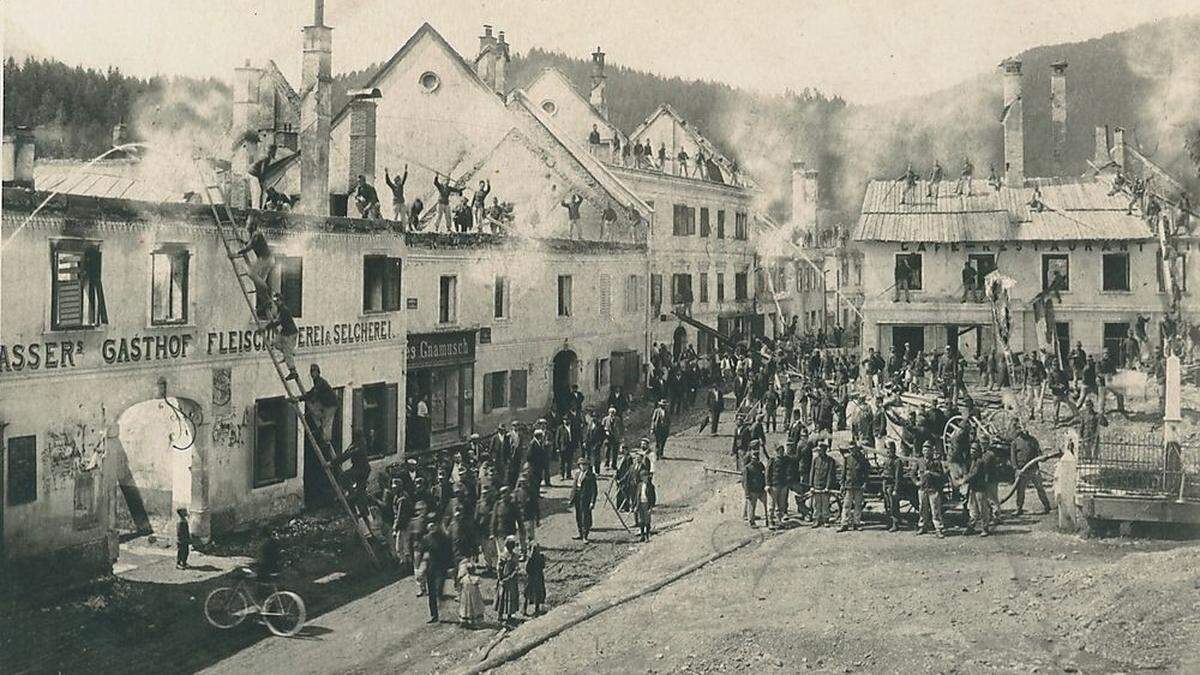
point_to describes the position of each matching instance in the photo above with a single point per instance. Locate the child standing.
(470, 600)
(183, 540)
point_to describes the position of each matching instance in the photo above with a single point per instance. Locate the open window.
(169, 285)
(381, 284)
(77, 289)
(1116, 271)
(564, 295)
(448, 299)
(1056, 272)
(909, 265)
(274, 441)
(375, 410)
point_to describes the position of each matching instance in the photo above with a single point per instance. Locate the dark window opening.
(77, 292)
(375, 410)
(381, 284)
(274, 441)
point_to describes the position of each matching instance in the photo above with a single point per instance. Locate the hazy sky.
(865, 51)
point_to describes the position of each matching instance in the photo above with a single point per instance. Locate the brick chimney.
(1118, 149)
(19, 152)
(1101, 157)
(362, 135)
(598, 78)
(1014, 125)
(1058, 116)
(502, 59)
(316, 111)
(485, 61)
(804, 199)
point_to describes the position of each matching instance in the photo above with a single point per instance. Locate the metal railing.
(1139, 464)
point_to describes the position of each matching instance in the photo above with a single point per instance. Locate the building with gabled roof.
(1081, 240)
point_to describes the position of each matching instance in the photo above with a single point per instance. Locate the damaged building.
(1078, 239)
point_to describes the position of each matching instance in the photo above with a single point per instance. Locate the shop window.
(495, 390)
(704, 288)
(448, 299)
(1056, 266)
(375, 409)
(291, 282)
(721, 224)
(381, 284)
(500, 298)
(1116, 271)
(77, 295)
(740, 286)
(705, 225)
(908, 268)
(656, 293)
(22, 470)
(564, 295)
(720, 287)
(518, 382)
(169, 285)
(274, 441)
(740, 229)
(449, 387)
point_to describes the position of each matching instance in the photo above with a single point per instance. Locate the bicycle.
(283, 611)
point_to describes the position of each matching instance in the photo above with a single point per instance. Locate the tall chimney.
(502, 58)
(118, 134)
(316, 110)
(1101, 158)
(246, 114)
(598, 78)
(1118, 149)
(362, 137)
(1014, 125)
(485, 61)
(1058, 116)
(19, 154)
(804, 199)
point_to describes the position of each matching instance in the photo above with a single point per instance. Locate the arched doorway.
(153, 463)
(565, 374)
(679, 342)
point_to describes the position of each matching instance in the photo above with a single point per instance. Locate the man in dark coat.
(754, 482)
(660, 426)
(822, 483)
(583, 498)
(855, 471)
(1024, 449)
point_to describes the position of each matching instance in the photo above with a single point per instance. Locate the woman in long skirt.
(508, 601)
(470, 600)
(535, 580)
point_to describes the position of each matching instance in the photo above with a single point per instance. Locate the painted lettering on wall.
(227, 430)
(38, 355)
(358, 332)
(1049, 246)
(146, 348)
(71, 449)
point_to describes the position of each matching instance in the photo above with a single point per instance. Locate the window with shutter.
(518, 381)
(77, 291)
(169, 285)
(605, 295)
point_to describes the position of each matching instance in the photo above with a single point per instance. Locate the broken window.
(274, 441)
(77, 295)
(381, 284)
(22, 470)
(909, 269)
(1116, 271)
(375, 409)
(169, 285)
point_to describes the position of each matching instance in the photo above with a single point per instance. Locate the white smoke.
(1167, 60)
(179, 123)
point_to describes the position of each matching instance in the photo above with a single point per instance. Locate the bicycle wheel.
(284, 613)
(225, 607)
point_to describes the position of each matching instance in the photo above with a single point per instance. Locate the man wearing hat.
(623, 476)
(645, 498)
(822, 483)
(286, 335)
(595, 440)
(583, 498)
(614, 433)
(754, 483)
(931, 480)
(564, 444)
(855, 471)
(539, 458)
(660, 426)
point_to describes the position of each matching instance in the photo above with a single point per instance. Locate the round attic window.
(430, 81)
(550, 107)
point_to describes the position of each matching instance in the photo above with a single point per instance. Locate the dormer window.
(430, 82)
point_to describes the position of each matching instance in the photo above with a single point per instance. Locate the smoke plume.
(179, 122)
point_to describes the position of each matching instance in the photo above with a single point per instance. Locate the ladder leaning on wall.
(227, 228)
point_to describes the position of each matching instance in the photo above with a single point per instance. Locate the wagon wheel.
(999, 424)
(952, 426)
